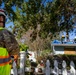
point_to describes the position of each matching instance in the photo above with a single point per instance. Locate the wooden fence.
(47, 70)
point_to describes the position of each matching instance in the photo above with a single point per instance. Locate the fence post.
(47, 69)
(22, 63)
(64, 70)
(72, 70)
(56, 70)
(14, 68)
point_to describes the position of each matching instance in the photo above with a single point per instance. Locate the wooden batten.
(69, 51)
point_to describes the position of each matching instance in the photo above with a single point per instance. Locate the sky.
(7, 25)
(71, 34)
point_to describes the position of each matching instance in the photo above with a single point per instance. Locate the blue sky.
(71, 34)
(7, 25)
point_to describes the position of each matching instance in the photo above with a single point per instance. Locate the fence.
(62, 71)
(20, 71)
(47, 70)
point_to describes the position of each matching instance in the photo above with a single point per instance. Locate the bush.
(27, 63)
(23, 47)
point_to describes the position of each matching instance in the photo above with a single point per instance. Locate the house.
(63, 48)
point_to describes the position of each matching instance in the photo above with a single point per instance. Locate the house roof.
(63, 44)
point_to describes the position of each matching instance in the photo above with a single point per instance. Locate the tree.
(67, 14)
(9, 6)
(52, 16)
(33, 14)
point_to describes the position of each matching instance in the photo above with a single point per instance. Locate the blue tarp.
(70, 42)
(56, 42)
(59, 42)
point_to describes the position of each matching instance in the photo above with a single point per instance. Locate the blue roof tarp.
(70, 42)
(56, 42)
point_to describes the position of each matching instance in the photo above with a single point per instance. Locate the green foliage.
(27, 64)
(47, 16)
(30, 14)
(52, 16)
(23, 47)
(27, 73)
(46, 52)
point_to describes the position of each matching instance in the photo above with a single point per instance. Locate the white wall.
(58, 49)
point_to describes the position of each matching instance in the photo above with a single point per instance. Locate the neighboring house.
(65, 48)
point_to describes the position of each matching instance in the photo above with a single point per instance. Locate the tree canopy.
(44, 17)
